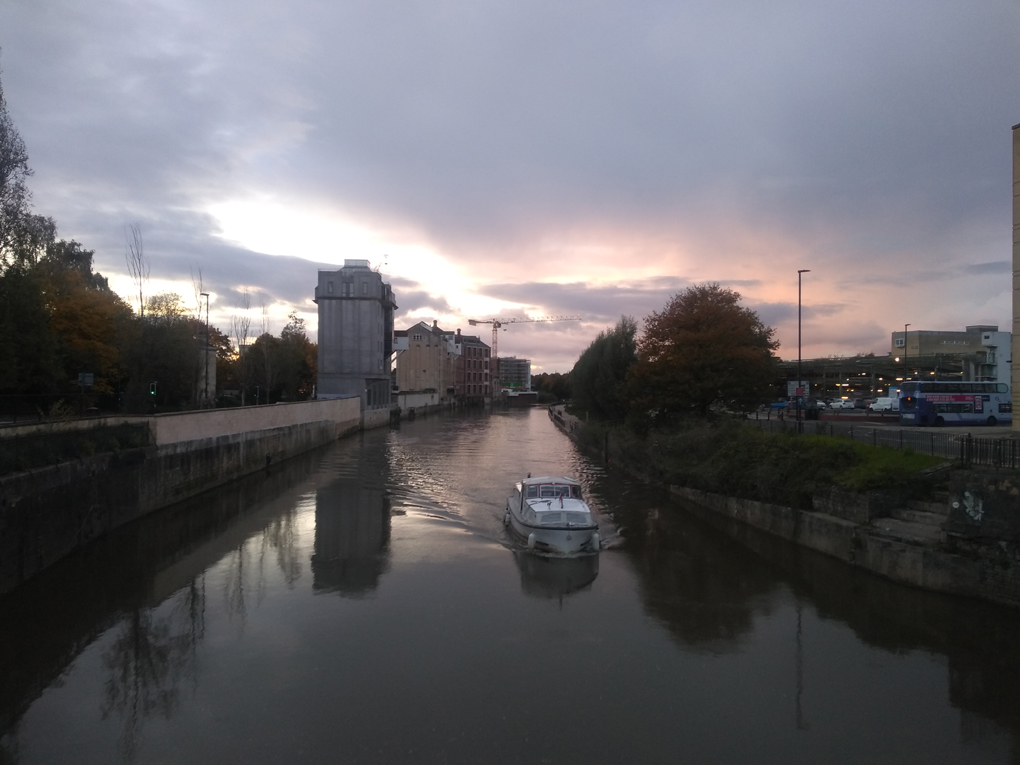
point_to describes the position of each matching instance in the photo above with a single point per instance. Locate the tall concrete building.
(355, 334)
(1016, 269)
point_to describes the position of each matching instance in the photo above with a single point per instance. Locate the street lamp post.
(800, 273)
(206, 381)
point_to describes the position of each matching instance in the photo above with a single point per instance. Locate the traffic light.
(152, 389)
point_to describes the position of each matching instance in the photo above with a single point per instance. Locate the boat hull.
(556, 539)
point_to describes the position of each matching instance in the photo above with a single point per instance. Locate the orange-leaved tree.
(703, 351)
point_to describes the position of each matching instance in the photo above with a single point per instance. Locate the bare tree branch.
(138, 265)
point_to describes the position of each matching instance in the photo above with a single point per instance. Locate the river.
(364, 604)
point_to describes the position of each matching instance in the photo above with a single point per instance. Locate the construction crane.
(498, 323)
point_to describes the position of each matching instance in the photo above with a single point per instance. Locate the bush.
(727, 457)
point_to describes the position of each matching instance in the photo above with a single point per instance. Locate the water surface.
(364, 603)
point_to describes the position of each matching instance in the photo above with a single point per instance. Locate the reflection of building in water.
(352, 534)
(545, 577)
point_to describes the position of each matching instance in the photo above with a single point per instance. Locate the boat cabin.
(540, 490)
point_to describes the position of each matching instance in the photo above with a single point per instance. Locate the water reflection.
(710, 589)
(352, 527)
(197, 630)
(153, 652)
(554, 578)
(144, 586)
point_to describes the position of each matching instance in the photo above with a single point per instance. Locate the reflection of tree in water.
(352, 530)
(245, 567)
(695, 582)
(149, 659)
(281, 538)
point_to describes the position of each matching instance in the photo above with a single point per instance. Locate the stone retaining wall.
(984, 574)
(46, 513)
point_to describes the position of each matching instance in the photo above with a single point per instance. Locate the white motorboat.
(550, 514)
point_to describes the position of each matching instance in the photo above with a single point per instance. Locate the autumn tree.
(702, 351)
(90, 321)
(598, 379)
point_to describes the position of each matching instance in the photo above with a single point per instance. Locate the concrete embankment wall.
(48, 512)
(857, 545)
(414, 403)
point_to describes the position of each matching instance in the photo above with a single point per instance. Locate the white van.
(885, 404)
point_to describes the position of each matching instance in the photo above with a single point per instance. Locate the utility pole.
(800, 273)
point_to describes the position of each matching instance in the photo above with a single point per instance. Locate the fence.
(996, 452)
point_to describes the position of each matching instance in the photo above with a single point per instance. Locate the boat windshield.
(550, 490)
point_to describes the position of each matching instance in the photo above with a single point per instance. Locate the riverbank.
(962, 541)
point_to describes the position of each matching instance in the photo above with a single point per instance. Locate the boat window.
(578, 519)
(548, 491)
(575, 492)
(532, 492)
(549, 519)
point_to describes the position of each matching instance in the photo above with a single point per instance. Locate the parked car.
(843, 403)
(885, 404)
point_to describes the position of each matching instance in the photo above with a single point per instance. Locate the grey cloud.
(415, 300)
(599, 303)
(998, 267)
(873, 135)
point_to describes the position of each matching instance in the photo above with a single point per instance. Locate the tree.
(29, 358)
(599, 376)
(551, 386)
(163, 351)
(88, 319)
(703, 350)
(137, 263)
(15, 198)
(298, 360)
(240, 326)
(24, 236)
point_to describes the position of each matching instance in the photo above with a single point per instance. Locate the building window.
(364, 288)
(329, 287)
(416, 337)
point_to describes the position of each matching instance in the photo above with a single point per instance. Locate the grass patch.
(41, 449)
(879, 467)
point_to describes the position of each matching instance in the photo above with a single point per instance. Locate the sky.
(527, 159)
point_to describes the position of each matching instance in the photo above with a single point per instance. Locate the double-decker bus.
(955, 403)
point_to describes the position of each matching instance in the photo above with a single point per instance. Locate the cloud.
(998, 267)
(556, 158)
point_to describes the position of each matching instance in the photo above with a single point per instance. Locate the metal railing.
(964, 447)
